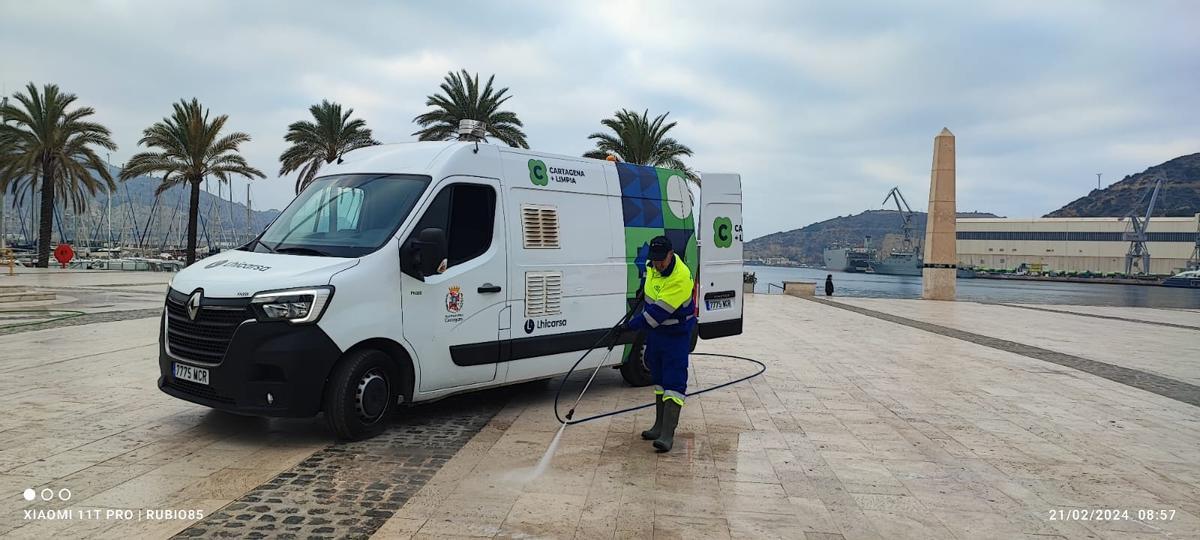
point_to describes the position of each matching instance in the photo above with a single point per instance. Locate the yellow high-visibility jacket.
(668, 299)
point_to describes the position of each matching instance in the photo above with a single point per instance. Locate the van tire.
(634, 369)
(360, 395)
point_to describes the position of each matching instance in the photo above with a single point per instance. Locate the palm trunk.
(46, 219)
(193, 217)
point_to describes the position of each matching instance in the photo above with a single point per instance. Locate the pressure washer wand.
(616, 334)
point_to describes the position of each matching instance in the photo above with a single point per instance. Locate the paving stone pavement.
(1150, 382)
(349, 489)
(1098, 316)
(861, 428)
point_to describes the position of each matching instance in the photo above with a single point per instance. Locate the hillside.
(1179, 197)
(805, 245)
(131, 209)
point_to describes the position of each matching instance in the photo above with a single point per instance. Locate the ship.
(1189, 279)
(849, 258)
(907, 259)
(910, 263)
(899, 262)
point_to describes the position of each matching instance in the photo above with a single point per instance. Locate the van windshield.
(347, 215)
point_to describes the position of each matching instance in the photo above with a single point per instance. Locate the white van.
(409, 272)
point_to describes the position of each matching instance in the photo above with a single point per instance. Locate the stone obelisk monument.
(941, 254)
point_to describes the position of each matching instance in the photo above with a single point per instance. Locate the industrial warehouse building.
(1073, 244)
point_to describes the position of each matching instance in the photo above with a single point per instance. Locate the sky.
(821, 106)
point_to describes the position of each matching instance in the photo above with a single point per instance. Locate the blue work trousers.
(667, 357)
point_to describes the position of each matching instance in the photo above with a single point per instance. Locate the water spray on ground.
(549, 455)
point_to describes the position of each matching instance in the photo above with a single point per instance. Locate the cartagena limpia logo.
(537, 172)
(723, 232)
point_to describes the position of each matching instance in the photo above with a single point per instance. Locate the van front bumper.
(290, 363)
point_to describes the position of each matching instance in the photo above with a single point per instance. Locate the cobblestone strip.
(348, 490)
(111, 285)
(106, 289)
(1163, 386)
(1095, 316)
(87, 318)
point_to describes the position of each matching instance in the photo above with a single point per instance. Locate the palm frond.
(598, 154)
(463, 98)
(331, 134)
(636, 138)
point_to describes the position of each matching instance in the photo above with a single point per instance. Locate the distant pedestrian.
(829, 285)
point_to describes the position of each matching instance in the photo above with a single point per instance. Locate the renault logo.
(193, 305)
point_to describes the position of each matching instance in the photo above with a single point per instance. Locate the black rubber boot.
(670, 419)
(652, 433)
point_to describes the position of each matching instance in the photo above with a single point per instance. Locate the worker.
(668, 315)
(829, 285)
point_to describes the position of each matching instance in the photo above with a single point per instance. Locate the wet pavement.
(892, 419)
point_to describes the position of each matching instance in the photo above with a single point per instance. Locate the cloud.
(821, 106)
(1153, 153)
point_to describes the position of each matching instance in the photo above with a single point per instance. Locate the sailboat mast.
(108, 216)
(249, 227)
(233, 232)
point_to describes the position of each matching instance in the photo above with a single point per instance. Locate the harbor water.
(985, 290)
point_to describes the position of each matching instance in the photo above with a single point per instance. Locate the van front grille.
(206, 338)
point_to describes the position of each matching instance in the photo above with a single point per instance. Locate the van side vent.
(543, 293)
(540, 226)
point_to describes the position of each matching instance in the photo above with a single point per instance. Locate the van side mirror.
(422, 255)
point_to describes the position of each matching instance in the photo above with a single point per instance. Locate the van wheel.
(358, 397)
(634, 368)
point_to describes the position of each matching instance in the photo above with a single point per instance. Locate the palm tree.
(640, 140)
(191, 148)
(49, 149)
(461, 99)
(314, 144)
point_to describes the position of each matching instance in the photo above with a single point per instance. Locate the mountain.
(805, 245)
(1179, 197)
(132, 205)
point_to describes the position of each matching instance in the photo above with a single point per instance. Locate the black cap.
(659, 247)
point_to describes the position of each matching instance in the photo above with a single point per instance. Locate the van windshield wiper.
(299, 250)
(260, 243)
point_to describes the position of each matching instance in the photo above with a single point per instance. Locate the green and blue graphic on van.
(655, 201)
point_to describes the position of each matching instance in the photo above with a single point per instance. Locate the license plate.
(191, 373)
(724, 303)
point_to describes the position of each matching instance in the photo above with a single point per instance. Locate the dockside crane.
(1136, 233)
(905, 212)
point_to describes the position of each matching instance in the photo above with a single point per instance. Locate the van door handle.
(488, 288)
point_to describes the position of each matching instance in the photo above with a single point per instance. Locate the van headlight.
(297, 306)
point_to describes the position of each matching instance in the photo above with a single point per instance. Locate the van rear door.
(720, 239)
